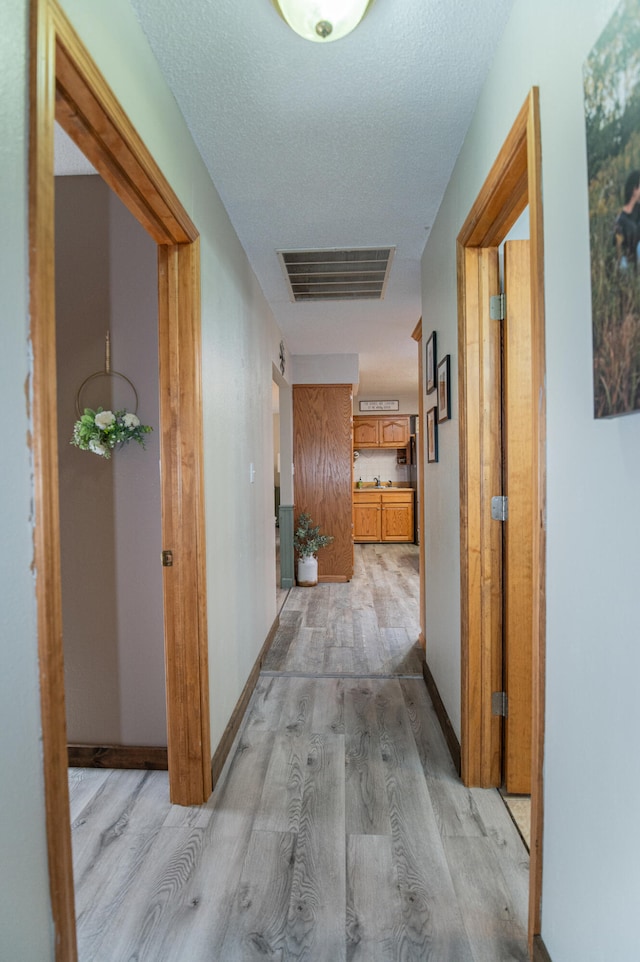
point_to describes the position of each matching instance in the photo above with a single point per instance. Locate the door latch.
(167, 559)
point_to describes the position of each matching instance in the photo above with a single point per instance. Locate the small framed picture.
(444, 390)
(430, 366)
(432, 435)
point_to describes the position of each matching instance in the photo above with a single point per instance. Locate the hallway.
(338, 830)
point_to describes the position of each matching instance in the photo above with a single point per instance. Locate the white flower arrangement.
(100, 431)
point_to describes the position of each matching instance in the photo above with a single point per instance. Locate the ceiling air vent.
(337, 275)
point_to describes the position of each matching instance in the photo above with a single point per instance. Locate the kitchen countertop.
(382, 487)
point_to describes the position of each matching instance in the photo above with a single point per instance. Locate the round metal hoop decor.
(108, 373)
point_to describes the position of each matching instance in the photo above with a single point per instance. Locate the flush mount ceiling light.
(322, 20)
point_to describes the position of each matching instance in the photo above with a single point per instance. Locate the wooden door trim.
(183, 531)
(417, 337)
(45, 468)
(518, 429)
(87, 109)
(513, 182)
(91, 115)
(480, 537)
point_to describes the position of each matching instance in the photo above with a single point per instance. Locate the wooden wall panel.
(323, 480)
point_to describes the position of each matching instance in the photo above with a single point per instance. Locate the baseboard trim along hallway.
(540, 953)
(445, 722)
(233, 725)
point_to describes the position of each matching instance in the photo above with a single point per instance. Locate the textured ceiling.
(348, 144)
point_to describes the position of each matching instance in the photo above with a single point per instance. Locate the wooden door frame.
(514, 182)
(417, 337)
(65, 85)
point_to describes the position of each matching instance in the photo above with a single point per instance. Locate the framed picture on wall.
(611, 76)
(444, 390)
(430, 364)
(432, 435)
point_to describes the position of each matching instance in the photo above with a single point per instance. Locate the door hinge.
(500, 704)
(167, 559)
(497, 307)
(500, 508)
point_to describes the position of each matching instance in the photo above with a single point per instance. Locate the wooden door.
(518, 466)
(322, 459)
(514, 181)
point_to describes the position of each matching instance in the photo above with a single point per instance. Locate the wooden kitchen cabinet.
(367, 511)
(394, 432)
(397, 516)
(380, 515)
(380, 431)
(365, 432)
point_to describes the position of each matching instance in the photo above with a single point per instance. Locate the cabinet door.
(397, 522)
(394, 432)
(365, 432)
(366, 522)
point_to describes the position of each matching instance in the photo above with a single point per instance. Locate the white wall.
(87, 564)
(285, 417)
(26, 931)
(133, 294)
(591, 884)
(325, 369)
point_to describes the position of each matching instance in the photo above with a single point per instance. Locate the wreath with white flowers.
(101, 431)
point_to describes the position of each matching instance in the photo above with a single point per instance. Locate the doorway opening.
(487, 592)
(282, 397)
(66, 86)
(110, 531)
(282, 588)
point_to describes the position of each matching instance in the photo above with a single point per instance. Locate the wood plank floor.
(338, 832)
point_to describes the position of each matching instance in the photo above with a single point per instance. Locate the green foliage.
(307, 539)
(100, 431)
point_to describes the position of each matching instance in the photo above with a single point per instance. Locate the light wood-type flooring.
(338, 830)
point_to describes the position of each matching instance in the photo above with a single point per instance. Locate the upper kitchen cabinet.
(366, 432)
(381, 431)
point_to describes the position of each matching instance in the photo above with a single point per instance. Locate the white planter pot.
(307, 571)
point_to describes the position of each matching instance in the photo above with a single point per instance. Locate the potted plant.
(307, 540)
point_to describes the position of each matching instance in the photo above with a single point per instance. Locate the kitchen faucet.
(377, 481)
